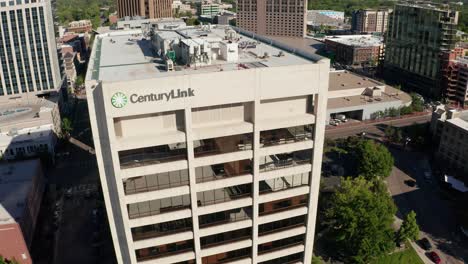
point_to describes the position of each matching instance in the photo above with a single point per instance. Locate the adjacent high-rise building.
(370, 21)
(417, 35)
(209, 145)
(273, 17)
(28, 52)
(144, 8)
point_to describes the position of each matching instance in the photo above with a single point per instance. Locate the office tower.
(28, 52)
(370, 21)
(417, 35)
(144, 8)
(285, 18)
(209, 145)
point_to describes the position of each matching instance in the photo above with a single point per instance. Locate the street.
(434, 215)
(345, 130)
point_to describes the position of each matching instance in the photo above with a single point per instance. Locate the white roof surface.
(127, 55)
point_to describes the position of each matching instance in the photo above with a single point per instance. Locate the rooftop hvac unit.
(169, 65)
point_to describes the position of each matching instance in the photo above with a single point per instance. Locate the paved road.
(435, 216)
(346, 130)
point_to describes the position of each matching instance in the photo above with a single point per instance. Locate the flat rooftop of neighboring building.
(461, 122)
(16, 179)
(128, 55)
(358, 40)
(343, 80)
(26, 112)
(303, 44)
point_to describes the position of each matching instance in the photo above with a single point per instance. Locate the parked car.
(434, 257)
(426, 244)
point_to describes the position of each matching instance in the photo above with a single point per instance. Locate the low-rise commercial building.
(148, 23)
(356, 49)
(21, 191)
(360, 97)
(204, 156)
(29, 127)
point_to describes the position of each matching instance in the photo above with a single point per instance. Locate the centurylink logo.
(119, 100)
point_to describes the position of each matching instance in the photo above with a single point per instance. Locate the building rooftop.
(139, 59)
(16, 180)
(348, 89)
(461, 121)
(343, 80)
(358, 40)
(26, 112)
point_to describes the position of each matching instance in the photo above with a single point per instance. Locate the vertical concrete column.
(320, 106)
(255, 181)
(193, 183)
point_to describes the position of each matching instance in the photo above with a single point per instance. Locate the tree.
(406, 110)
(374, 160)
(317, 260)
(417, 103)
(66, 127)
(409, 229)
(359, 220)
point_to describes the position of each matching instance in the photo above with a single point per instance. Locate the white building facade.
(215, 163)
(28, 52)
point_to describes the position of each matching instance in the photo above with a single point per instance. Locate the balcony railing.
(283, 205)
(281, 161)
(285, 135)
(224, 170)
(164, 250)
(280, 244)
(152, 155)
(224, 194)
(227, 256)
(225, 217)
(222, 145)
(283, 183)
(161, 229)
(224, 238)
(156, 182)
(155, 207)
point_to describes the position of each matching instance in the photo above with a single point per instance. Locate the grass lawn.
(407, 256)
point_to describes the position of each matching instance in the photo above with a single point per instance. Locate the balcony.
(282, 205)
(164, 250)
(284, 160)
(226, 237)
(228, 256)
(224, 194)
(285, 135)
(281, 225)
(283, 183)
(221, 145)
(223, 170)
(152, 155)
(225, 217)
(294, 258)
(161, 229)
(280, 244)
(155, 182)
(154, 207)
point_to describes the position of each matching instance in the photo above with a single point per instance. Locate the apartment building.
(369, 21)
(209, 150)
(417, 35)
(450, 128)
(28, 52)
(144, 8)
(285, 18)
(455, 78)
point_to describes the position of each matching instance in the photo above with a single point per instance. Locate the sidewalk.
(421, 253)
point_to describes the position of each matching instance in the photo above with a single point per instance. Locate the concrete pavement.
(346, 130)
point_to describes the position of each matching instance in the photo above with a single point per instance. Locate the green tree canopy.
(359, 220)
(409, 229)
(374, 160)
(66, 127)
